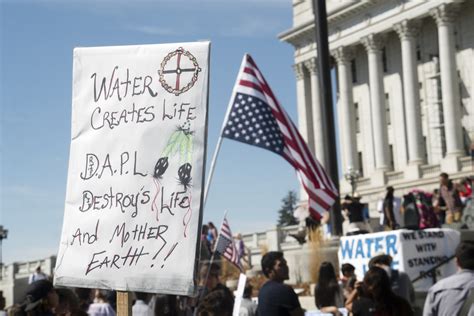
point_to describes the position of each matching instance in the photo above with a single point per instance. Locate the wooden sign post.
(124, 303)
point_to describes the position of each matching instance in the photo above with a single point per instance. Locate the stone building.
(14, 277)
(405, 85)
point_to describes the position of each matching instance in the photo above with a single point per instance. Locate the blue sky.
(36, 44)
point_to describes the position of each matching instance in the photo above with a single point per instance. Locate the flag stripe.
(225, 245)
(256, 113)
(286, 121)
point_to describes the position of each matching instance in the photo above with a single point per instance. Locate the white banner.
(412, 252)
(136, 170)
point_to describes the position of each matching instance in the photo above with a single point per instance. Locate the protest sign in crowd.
(134, 207)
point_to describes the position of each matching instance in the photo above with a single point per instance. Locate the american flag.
(225, 245)
(255, 117)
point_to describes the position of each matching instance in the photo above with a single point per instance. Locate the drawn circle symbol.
(179, 71)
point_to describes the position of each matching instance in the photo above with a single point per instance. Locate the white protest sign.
(136, 169)
(412, 251)
(239, 294)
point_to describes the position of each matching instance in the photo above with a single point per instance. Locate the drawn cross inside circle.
(183, 76)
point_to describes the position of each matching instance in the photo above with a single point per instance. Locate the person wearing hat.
(353, 211)
(454, 295)
(40, 299)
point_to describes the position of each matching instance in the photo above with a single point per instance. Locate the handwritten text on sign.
(133, 202)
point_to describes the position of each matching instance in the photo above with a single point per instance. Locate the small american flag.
(256, 117)
(225, 245)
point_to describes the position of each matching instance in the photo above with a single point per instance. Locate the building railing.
(363, 182)
(466, 163)
(430, 170)
(394, 176)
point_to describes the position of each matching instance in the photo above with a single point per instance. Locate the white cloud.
(155, 30)
(256, 27)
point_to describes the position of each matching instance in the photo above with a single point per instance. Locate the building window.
(418, 53)
(354, 71)
(361, 164)
(392, 160)
(357, 117)
(425, 144)
(384, 59)
(387, 109)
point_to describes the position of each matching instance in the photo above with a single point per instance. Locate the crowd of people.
(381, 291)
(417, 210)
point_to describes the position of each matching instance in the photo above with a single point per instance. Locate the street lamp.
(3, 235)
(351, 176)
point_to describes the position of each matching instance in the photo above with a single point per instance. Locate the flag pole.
(213, 164)
(212, 258)
(219, 140)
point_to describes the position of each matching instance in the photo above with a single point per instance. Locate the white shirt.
(36, 277)
(100, 309)
(140, 308)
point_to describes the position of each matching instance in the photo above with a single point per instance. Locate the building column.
(373, 46)
(305, 120)
(319, 124)
(407, 31)
(444, 16)
(343, 56)
(305, 116)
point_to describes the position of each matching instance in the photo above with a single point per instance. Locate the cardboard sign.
(412, 251)
(136, 168)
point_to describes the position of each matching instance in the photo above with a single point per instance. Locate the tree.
(286, 211)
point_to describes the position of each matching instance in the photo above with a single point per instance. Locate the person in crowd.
(435, 201)
(37, 275)
(216, 303)
(465, 190)
(411, 216)
(454, 295)
(212, 235)
(165, 305)
(247, 306)
(349, 287)
(450, 196)
(348, 273)
(276, 298)
(205, 245)
(375, 297)
(328, 295)
(211, 283)
(353, 210)
(2, 305)
(140, 307)
(40, 299)
(86, 297)
(428, 218)
(391, 210)
(240, 246)
(100, 306)
(68, 303)
(399, 280)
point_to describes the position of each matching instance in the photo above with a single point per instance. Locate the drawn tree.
(286, 217)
